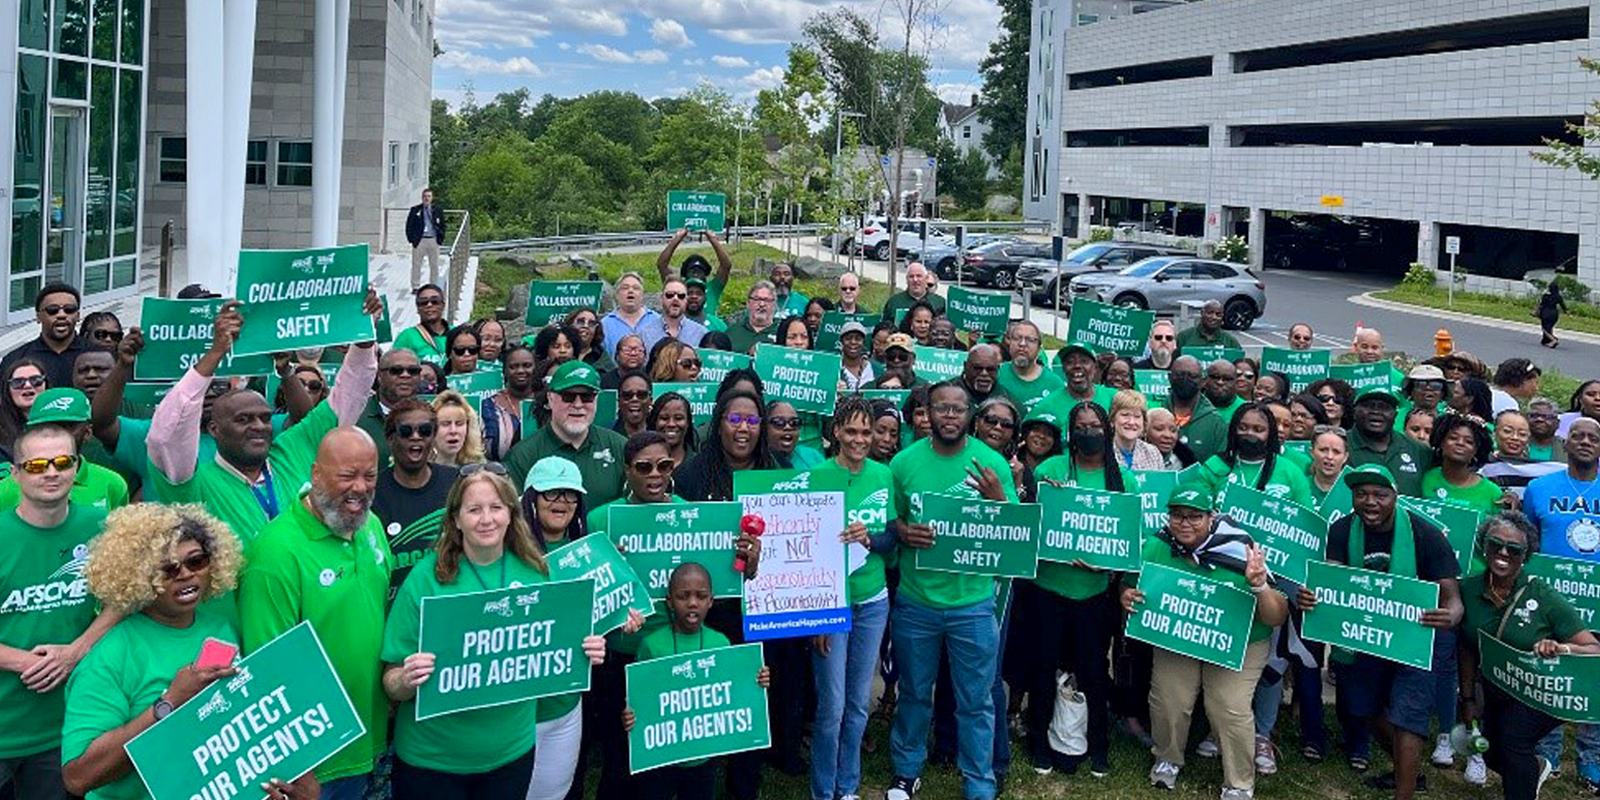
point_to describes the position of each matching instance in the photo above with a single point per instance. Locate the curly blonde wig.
(472, 448)
(124, 569)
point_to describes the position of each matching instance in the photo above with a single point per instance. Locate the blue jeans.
(351, 788)
(971, 636)
(844, 688)
(1446, 687)
(1588, 738)
(1308, 698)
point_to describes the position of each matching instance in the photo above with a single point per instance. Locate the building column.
(1083, 216)
(330, 50)
(1588, 267)
(205, 130)
(238, 67)
(1428, 244)
(1257, 240)
(8, 128)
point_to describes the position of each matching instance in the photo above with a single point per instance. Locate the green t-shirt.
(1541, 452)
(1157, 551)
(1027, 394)
(297, 570)
(1061, 402)
(1483, 496)
(427, 346)
(1405, 459)
(500, 734)
(1065, 580)
(745, 337)
(93, 487)
(230, 499)
(1227, 411)
(125, 674)
(44, 599)
(628, 643)
(665, 641)
(1191, 338)
(867, 500)
(131, 454)
(903, 301)
(1288, 479)
(917, 470)
(599, 461)
(1546, 614)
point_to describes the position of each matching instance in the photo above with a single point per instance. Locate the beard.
(332, 511)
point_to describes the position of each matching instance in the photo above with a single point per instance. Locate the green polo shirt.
(371, 421)
(44, 599)
(93, 487)
(599, 460)
(1288, 479)
(903, 301)
(1157, 551)
(1483, 496)
(1193, 337)
(1061, 402)
(1066, 580)
(1405, 459)
(498, 735)
(919, 470)
(427, 346)
(745, 337)
(132, 456)
(231, 499)
(1541, 613)
(297, 570)
(1027, 394)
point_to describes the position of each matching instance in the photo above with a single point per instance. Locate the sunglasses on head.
(37, 466)
(465, 350)
(194, 563)
(26, 381)
(106, 335)
(1492, 544)
(784, 423)
(663, 466)
(577, 396)
(398, 371)
(491, 467)
(422, 431)
(997, 421)
(53, 310)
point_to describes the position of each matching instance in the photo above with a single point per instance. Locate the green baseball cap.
(554, 472)
(1071, 347)
(1373, 474)
(1037, 416)
(695, 281)
(1191, 496)
(59, 405)
(1379, 393)
(574, 375)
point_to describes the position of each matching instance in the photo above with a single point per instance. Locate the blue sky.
(665, 47)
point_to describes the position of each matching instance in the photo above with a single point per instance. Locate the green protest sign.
(696, 705)
(616, 587)
(1290, 535)
(834, 321)
(177, 333)
(475, 386)
(979, 537)
(702, 398)
(807, 379)
(1101, 529)
(935, 364)
(504, 645)
(1578, 581)
(383, 331)
(1153, 384)
(605, 408)
(548, 300)
(696, 210)
(716, 364)
(1122, 330)
(657, 537)
(1339, 502)
(1155, 488)
(1371, 612)
(1303, 367)
(1459, 523)
(1193, 615)
(800, 589)
(295, 299)
(1361, 377)
(896, 396)
(146, 394)
(973, 310)
(1206, 355)
(1566, 687)
(283, 714)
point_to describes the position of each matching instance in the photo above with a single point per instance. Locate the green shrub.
(1572, 289)
(1101, 233)
(1233, 249)
(1419, 276)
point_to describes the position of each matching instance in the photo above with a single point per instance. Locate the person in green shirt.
(426, 338)
(918, 290)
(790, 303)
(325, 560)
(1373, 440)
(48, 621)
(1252, 458)
(1023, 378)
(572, 434)
(1197, 541)
(1543, 421)
(1220, 386)
(1527, 614)
(93, 486)
(1082, 372)
(943, 612)
(1461, 444)
(705, 289)
(1200, 428)
(486, 545)
(758, 322)
(157, 565)
(1207, 330)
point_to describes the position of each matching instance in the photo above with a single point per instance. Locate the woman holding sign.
(486, 545)
(1252, 458)
(1525, 614)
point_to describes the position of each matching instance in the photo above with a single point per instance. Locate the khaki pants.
(1174, 682)
(427, 248)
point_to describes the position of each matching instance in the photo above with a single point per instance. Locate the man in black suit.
(425, 232)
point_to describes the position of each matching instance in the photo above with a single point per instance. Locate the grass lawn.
(1579, 317)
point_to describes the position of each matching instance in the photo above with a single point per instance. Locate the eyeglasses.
(737, 419)
(422, 431)
(663, 466)
(491, 467)
(26, 381)
(1163, 337)
(37, 466)
(1513, 549)
(997, 421)
(949, 409)
(424, 302)
(584, 322)
(106, 335)
(896, 355)
(314, 387)
(194, 563)
(843, 289)
(688, 363)
(465, 350)
(567, 496)
(1025, 339)
(761, 301)
(634, 394)
(574, 396)
(784, 423)
(53, 310)
(395, 372)
(673, 295)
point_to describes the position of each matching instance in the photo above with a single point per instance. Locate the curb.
(1366, 299)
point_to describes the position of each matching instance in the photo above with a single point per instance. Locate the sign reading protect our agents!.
(716, 364)
(617, 589)
(177, 333)
(1124, 331)
(1193, 615)
(806, 379)
(696, 705)
(979, 537)
(696, 210)
(1371, 612)
(548, 300)
(1101, 529)
(657, 537)
(297, 299)
(1565, 687)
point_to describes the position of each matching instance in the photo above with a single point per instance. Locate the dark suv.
(995, 264)
(1042, 279)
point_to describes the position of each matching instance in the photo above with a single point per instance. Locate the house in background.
(960, 125)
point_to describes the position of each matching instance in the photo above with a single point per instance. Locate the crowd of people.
(359, 483)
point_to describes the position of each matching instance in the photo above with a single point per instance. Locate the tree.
(963, 175)
(700, 148)
(790, 113)
(1571, 154)
(1004, 102)
(846, 45)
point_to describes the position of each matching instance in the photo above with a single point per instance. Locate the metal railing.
(592, 241)
(460, 252)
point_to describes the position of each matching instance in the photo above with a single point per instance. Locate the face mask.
(1184, 387)
(1252, 449)
(1089, 444)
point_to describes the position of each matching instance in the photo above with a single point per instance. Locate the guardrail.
(587, 241)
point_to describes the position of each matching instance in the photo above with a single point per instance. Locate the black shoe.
(902, 788)
(1099, 767)
(1385, 782)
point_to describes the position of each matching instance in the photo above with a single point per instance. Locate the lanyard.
(475, 573)
(266, 497)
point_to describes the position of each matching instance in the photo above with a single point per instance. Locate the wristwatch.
(161, 709)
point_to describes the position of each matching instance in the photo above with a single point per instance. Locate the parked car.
(996, 263)
(873, 238)
(1316, 241)
(1166, 283)
(942, 258)
(1041, 278)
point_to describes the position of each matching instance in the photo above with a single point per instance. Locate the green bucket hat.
(554, 472)
(59, 405)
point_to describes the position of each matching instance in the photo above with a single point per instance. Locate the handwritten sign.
(800, 588)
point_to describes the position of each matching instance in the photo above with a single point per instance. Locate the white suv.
(873, 238)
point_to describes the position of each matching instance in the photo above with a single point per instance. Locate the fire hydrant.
(1442, 343)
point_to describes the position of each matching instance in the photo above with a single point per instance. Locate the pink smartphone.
(216, 653)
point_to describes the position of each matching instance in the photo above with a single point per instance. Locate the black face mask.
(1252, 449)
(1183, 386)
(1089, 444)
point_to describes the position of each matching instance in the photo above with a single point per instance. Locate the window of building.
(394, 163)
(294, 163)
(1088, 19)
(413, 160)
(255, 163)
(966, 131)
(174, 152)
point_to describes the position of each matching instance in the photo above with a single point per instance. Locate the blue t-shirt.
(1567, 512)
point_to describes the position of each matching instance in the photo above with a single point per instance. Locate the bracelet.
(1259, 589)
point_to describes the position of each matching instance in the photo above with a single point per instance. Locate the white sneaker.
(1207, 748)
(1544, 775)
(1164, 775)
(1266, 756)
(1477, 772)
(1444, 753)
(1233, 793)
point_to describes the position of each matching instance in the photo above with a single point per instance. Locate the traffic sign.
(1452, 245)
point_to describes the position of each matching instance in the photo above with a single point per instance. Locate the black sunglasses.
(784, 423)
(193, 563)
(106, 335)
(423, 431)
(398, 371)
(465, 350)
(996, 421)
(53, 310)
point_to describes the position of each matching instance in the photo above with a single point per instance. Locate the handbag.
(1069, 724)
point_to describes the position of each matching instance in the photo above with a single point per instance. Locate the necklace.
(1574, 486)
(479, 576)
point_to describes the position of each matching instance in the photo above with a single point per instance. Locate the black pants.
(509, 782)
(1514, 731)
(744, 769)
(606, 699)
(1548, 323)
(679, 782)
(790, 701)
(1075, 635)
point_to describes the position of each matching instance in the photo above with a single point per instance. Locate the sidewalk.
(1366, 299)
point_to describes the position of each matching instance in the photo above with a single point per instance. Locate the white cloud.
(650, 56)
(958, 93)
(669, 32)
(465, 24)
(730, 62)
(609, 55)
(763, 78)
(694, 62)
(476, 63)
(564, 46)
